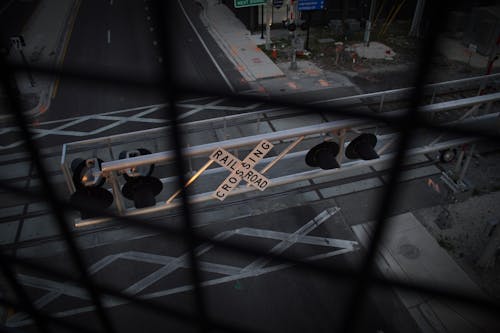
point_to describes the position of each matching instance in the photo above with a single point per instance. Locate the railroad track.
(220, 128)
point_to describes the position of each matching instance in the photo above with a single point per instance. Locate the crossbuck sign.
(241, 170)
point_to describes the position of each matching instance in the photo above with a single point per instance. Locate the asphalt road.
(119, 38)
(271, 298)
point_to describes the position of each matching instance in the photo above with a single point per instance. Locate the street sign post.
(241, 170)
(306, 5)
(248, 3)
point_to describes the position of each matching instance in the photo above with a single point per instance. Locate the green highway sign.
(248, 3)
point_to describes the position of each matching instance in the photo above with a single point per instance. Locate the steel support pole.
(368, 26)
(417, 19)
(467, 163)
(458, 164)
(120, 206)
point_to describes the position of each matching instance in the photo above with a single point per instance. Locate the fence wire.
(363, 278)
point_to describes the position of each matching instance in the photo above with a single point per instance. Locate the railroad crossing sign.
(241, 170)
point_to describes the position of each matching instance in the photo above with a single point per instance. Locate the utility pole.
(262, 21)
(368, 25)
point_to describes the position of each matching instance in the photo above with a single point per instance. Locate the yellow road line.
(65, 49)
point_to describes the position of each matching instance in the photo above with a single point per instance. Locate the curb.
(222, 43)
(45, 94)
(234, 58)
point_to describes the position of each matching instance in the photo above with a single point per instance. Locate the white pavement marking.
(223, 107)
(199, 108)
(283, 236)
(109, 36)
(111, 2)
(119, 120)
(221, 72)
(44, 284)
(292, 238)
(170, 264)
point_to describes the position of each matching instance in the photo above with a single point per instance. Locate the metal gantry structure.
(363, 278)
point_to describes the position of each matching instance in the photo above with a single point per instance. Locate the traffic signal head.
(140, 187)
(87, 173)
(323, 156)
(142, 190)
(91, 199)
(143, 170)
(362, 147)
(89, 196)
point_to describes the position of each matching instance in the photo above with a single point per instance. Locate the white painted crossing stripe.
(198, 108)
(62, 288)
(109, 36)
(54, 294)
(293, 238)
(232, 273)
(164, 271)
(311, 240)
(119, 120)
(247, 274)
(223, 107)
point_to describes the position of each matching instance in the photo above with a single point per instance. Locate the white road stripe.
(221, 72)
(232, 273)
(109, 36)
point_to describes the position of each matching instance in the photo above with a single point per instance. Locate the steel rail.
(197, 123)
(410, 89)
(163, 157)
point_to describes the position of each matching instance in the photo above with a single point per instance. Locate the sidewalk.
(236, 42)
(265, 76)
(409, 252)
(46, 36)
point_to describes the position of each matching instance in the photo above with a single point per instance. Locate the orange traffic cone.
(274, 52)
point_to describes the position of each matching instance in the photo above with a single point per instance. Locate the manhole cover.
(409, 251)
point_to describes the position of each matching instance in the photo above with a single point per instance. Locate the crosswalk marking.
(170, 264)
